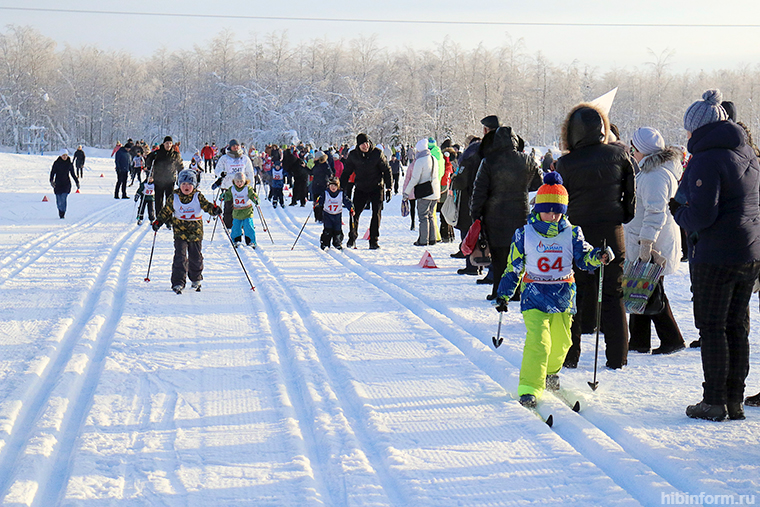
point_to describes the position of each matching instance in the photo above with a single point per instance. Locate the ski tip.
(593, 385)
(577, 406)
(497, 342)
(550, 421)
(147, 279)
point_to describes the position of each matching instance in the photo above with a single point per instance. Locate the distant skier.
(331, 203)
(541, 260)
(183, 210)
(276, 186)
(146, 195)
(243, 199)
(60, 181)
(79, 161)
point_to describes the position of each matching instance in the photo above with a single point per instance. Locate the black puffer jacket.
(165, 165)
(500, 192)
(598, 176)
(61, 174)
(464, 180)
(371, 169)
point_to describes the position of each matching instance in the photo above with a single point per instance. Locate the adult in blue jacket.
(123, 160)
(721, 208)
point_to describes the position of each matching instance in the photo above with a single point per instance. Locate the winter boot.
(735, 410)
(753, 401)
(373, 245)
(237, 241)
(139, 222)
(704, 410)
(528, 401)
(178, 289)
(61, 214)
(552, 382)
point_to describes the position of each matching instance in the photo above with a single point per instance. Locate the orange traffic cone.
(366, 234)
(77, 192)
(101, 175)
(44, 198)
(427, 261)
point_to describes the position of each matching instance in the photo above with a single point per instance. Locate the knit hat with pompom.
(707, 110)
(551, 196)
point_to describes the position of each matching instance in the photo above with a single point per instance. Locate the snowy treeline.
(264, 89)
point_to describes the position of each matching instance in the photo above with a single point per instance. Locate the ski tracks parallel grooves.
(36, 456)
(330, 415)
(23, 257)
(639, 470)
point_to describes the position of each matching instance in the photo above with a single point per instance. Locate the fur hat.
(552, 195)
(186, 176)
(648, 140)
(707, 110)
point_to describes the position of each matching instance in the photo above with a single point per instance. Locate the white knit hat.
(648, 140)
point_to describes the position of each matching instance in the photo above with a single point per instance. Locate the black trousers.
(361, 198)
(613, 319)
(721, 313)
(163, 191)
(146, 204)
(207, 165)
(188, 262)
(80, 170)
(640, 327)
(227, 214)
(121, 182)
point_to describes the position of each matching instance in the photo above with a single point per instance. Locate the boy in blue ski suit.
(332, 203)
(541, 261)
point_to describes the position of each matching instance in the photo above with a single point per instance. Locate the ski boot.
(196, 285)
(178, 289)
(528, 401)
(552, 382)
(704, 410)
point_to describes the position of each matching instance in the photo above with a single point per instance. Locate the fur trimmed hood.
(585, 125)
(669, 157)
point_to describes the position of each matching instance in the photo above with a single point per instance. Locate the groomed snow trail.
(346, 378)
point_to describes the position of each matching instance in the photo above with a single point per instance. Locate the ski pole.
(593, 385)
(302, 228)
(497, 340)
(224, 226)
(264, 223)
(216, 198)
(150, 261)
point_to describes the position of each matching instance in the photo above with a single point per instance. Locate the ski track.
(420, 309)
(640, 470)
(44, 433)
(305, 334)
(21, 258)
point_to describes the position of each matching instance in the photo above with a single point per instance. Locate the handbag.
(642, 291)
(450, 209)
(481, 254)
(423, 189)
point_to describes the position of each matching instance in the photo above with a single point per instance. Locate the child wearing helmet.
(184, 211)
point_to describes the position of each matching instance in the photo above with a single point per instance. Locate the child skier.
(332, 203)
(243, 199)
(184, 212)
(277, 184)
(541, 261)
(146, 194)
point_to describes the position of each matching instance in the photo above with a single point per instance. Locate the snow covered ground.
(345, 378)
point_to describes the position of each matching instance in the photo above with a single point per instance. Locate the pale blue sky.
(694, 48)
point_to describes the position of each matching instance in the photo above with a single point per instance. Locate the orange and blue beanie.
(551, 196)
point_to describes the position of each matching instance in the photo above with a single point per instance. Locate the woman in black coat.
(60, 181)
(500, 194)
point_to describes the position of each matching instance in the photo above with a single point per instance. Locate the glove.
(388, 195)
(658, 259)
(674, 206)
(606, 256)
(223, 174)
(645, 249)
(137, 197)
(501, 304)
(217, 211)
(156, 225)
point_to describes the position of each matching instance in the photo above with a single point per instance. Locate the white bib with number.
(189, 211)
(149, 189)
(333, 205)
(277, 173)
(240, 198)
(548, 259)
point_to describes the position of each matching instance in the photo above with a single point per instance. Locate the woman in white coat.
(424, 169)
(654, 234)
